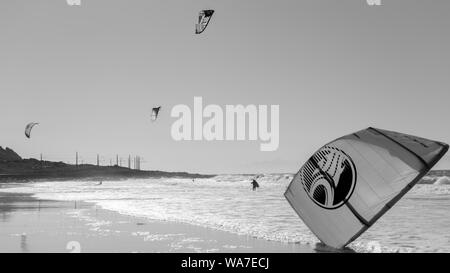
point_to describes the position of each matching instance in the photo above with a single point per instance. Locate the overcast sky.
(91, 74)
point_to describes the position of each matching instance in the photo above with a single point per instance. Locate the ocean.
(419, 222)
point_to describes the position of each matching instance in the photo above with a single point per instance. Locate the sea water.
(419, 222)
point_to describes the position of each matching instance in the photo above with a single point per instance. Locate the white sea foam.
(444, 180)
(227, 203)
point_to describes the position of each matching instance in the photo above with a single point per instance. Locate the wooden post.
(76, 159)
(98, 161)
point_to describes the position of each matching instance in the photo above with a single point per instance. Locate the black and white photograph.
(225, 127)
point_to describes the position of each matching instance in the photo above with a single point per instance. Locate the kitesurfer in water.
(254, 184)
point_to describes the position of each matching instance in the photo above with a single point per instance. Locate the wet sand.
(31, 225)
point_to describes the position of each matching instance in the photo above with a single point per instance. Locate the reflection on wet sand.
(30, 225)
(19, 212)
(23, 243)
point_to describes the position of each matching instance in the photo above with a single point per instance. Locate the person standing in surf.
(255, 184)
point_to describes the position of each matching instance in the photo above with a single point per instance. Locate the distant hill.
(8, 155)
(13, 167)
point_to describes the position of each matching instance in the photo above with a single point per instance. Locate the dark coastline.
(31, 169)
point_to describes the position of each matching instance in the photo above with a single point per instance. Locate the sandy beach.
(31, 225)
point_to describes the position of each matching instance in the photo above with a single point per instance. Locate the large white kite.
(349, 183)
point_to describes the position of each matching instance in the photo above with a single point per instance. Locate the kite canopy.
(155, 113)
(28, 128)
(348, 184)
(204, 17)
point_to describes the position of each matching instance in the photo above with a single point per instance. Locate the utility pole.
(129, 161)
(98, 161)
(117, 160)
(76, 159)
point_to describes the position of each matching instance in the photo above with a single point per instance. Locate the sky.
(90, 75)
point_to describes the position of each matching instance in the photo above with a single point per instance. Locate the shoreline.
(28, 224)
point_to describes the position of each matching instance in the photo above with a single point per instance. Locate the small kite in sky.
(28, 128)
(203, 20)
(155, 113)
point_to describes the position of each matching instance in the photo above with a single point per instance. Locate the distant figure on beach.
(193, 180)
(255, 184)
(101, 182)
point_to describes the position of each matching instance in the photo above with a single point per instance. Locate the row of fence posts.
(133, 162)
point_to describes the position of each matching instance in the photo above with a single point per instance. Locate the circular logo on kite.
(329, 177)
